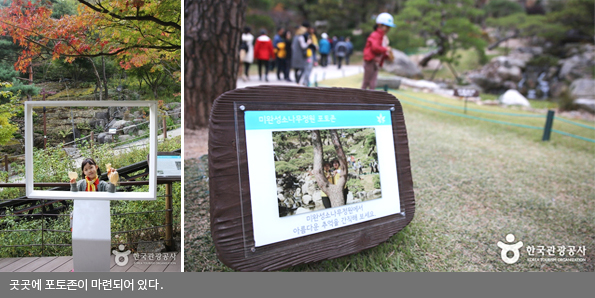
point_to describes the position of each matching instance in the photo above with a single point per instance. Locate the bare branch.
(137, 17)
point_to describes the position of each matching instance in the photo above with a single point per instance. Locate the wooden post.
(45, 139)
(168, 215)
(164, 128)
(6, 167)
(92, 149)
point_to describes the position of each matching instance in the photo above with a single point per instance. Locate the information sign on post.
(466, 93)
(317, 172)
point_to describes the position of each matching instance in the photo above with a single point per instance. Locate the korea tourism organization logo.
(511, 252)
(122, 257)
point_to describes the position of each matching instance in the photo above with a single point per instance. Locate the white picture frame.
(31, 193)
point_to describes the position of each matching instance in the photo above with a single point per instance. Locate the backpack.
(244, 46)
(281, 51)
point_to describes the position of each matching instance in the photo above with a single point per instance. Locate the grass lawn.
(475, 182)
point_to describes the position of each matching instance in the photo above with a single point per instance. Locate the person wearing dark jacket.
(341, 50)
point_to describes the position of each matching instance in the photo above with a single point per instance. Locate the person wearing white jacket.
(248, 44)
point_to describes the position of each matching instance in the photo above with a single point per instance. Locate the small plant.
(64, 133)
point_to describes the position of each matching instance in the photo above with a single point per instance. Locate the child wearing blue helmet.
(375, 50)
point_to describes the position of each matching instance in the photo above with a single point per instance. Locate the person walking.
(333, 44)
(341, 50)
(349, 50)
(374, 51)
(299, 51)
(264, 52)
(325, 49)
(281, 53)
(247, 43)
(276, 39)
(311, 56)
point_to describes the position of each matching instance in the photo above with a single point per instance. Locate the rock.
(402, 66)
(512, 73)
(302, 210)
(390, 82)
(307, 199)
(176, 113)
(583, 88)
(102, 115)
(119, 124)
(72, 152)
(513, 97)
(129, 130)
(580, 62)
(508, 62)
(586, 103)
(509, 85)
(486, 82)
(558, 88)
(151, 247)
(124, 138)
(309, 186)
(104, 137)
(98, 123)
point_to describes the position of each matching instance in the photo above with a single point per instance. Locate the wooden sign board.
(267, 146)
(466, 92)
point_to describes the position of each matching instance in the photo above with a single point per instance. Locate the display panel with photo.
(314, 171)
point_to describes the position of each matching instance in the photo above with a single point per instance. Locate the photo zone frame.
(31, 193)
(267, 149)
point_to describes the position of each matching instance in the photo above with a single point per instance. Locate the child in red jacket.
(263, 52)
(375, 51)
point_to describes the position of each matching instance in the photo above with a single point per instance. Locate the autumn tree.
(136, 32)
(334, 191)
(211, 57)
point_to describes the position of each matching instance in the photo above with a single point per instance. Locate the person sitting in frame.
(329, 176)
(337, 174)
(90, 181)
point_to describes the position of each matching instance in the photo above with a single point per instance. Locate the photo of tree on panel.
(320, 169)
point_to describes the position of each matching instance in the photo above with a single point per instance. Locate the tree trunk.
(98, 78)
(104, 77)
(211, 57)
(442, 42)
(501, 40)
(334, 191)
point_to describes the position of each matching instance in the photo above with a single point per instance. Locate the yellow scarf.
(92, 185)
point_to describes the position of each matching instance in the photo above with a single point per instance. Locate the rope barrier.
(574, 123)
(471, 109)
(498, 113)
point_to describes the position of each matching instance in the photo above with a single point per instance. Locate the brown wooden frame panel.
(231, 216)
